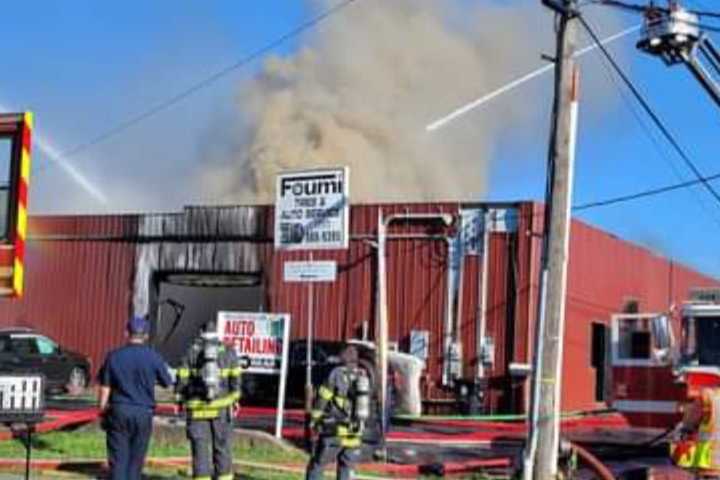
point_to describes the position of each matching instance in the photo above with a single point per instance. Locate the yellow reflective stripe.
(350, 442)
(340, 401)
(316, 414)
(183, 373)
(203, 477)
(235, 372)
(235, 396)
(227, 476)
(325, 393)
(203, 414)
(216, 404)
(343, 431)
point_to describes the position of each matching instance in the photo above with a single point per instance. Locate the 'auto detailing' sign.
(311, 209)
(257, 339)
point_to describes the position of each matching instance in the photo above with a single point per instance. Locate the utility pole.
(545, 436)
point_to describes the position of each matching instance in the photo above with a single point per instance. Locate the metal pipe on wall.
(448, 329)
(481, 328)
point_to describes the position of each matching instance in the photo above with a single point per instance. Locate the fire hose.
(592, 462)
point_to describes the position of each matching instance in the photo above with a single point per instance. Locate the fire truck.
(665, 371)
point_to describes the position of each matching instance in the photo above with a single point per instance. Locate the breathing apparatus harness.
(207, 353)
(207, 386)
(351, 410)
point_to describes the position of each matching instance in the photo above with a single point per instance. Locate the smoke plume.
(362, 87)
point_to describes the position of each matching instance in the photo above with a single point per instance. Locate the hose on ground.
(592, 461)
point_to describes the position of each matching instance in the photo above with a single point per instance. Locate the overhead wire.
(650, 112)
(658, 148)
(646, 193)
(207, 81)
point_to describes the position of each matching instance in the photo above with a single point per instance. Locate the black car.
(23, 350)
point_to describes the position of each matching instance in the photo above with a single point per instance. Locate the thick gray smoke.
(361, 89)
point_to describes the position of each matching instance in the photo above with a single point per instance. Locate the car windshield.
(701, 344)
(46, 346)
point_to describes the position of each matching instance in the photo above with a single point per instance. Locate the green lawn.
(89, 443)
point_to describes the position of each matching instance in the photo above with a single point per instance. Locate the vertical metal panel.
(77, 291)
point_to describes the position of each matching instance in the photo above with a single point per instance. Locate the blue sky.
(84, 66)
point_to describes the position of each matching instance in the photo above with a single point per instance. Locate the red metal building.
(86, 274)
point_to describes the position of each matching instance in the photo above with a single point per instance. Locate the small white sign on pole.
(310, 271)
(261, 342)
(312, 209)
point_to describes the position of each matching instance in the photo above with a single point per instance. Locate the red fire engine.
(660, 383)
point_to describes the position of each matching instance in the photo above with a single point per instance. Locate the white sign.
(312, 271)
(261, 341)
(312, 209)
(257, 339)
(21, 394)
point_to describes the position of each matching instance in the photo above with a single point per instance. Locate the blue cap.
(138, 325)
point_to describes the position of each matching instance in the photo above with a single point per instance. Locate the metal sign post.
(312, 212)
(308, 358)
(283, 377)
(309, 272)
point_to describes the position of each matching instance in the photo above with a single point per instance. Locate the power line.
(651, 113)
(646, 129)
(164, 105)
(646, 193)
(643, 8)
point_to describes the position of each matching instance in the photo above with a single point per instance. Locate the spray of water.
(53, 154)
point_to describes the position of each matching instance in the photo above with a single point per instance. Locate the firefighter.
(208, 389)
(697, 446)
(341, 411)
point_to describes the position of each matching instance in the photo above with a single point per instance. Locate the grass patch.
(89, 443)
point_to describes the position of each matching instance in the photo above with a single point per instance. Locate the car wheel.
(77, 381)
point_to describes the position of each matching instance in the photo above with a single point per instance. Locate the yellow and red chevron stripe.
(22, 205)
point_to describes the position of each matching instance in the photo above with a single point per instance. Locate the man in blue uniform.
(127, 400)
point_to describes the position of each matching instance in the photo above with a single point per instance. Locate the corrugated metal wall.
(77, 292)
(80, 274)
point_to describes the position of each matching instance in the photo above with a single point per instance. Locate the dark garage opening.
(184, 302)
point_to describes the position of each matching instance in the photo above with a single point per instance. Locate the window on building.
(598, 357)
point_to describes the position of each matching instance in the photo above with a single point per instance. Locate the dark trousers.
(128, 436)
(211, 446)
(328, 449)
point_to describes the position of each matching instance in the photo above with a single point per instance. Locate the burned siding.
(200, 239)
